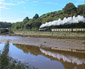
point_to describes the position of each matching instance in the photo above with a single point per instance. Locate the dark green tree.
(27, 26)
(5, 25)
(81, 10)
(36, 16)
(26, 20)
(70, 9)
(36, 23)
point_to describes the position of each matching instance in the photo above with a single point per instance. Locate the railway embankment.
(62, 35)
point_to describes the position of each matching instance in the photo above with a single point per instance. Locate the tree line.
(5, 25)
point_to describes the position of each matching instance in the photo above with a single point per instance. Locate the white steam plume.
(68, 20)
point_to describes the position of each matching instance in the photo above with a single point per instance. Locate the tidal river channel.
(42, 58)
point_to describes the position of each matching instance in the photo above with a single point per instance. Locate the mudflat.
(46, 42)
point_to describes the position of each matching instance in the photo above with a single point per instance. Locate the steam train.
(74, 27)
(64, 29)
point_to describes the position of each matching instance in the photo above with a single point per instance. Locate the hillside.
(36, 21)
(68, 11)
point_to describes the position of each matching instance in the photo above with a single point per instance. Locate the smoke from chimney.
(68, 20)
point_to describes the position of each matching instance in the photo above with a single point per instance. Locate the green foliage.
(36, 16)
(27, 26)
(81, 9)
(36, 21)
(4, 61)
(26, 20)
(70, 8)
(28, 23)
(5, 25)
(9, 63)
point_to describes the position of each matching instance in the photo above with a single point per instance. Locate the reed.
(6, 48)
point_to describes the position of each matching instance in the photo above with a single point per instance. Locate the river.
(42, 58)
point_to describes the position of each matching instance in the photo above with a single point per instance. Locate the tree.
(5, 25)
(70, 8)
(36, 16)
(26, 20)
(81, 9)
(27, 26)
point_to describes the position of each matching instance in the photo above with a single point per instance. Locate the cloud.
(53, 3)
(7, 4)
(3, 7)
(26, 0)
(2, 2)
(35, 1)
(20, 2)
(80, 0)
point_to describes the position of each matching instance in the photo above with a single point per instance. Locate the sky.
(17, 10)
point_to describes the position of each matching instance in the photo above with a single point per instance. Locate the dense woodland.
(5, 25)
(33, 24)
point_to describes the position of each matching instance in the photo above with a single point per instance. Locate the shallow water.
(45, 58)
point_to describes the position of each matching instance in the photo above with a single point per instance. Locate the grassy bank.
(71, 35)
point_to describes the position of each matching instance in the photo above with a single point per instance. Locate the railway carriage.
(68, 30)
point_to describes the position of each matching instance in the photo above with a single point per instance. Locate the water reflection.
(65, 57)
(68, 59)
(32, 49)
(33, 56)
(1, 47)
(43, 58)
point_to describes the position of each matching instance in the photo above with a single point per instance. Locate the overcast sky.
(17, 10)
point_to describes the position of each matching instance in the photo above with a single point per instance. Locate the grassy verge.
(75, 35)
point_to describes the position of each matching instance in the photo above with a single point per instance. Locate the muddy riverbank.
(57, 44)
